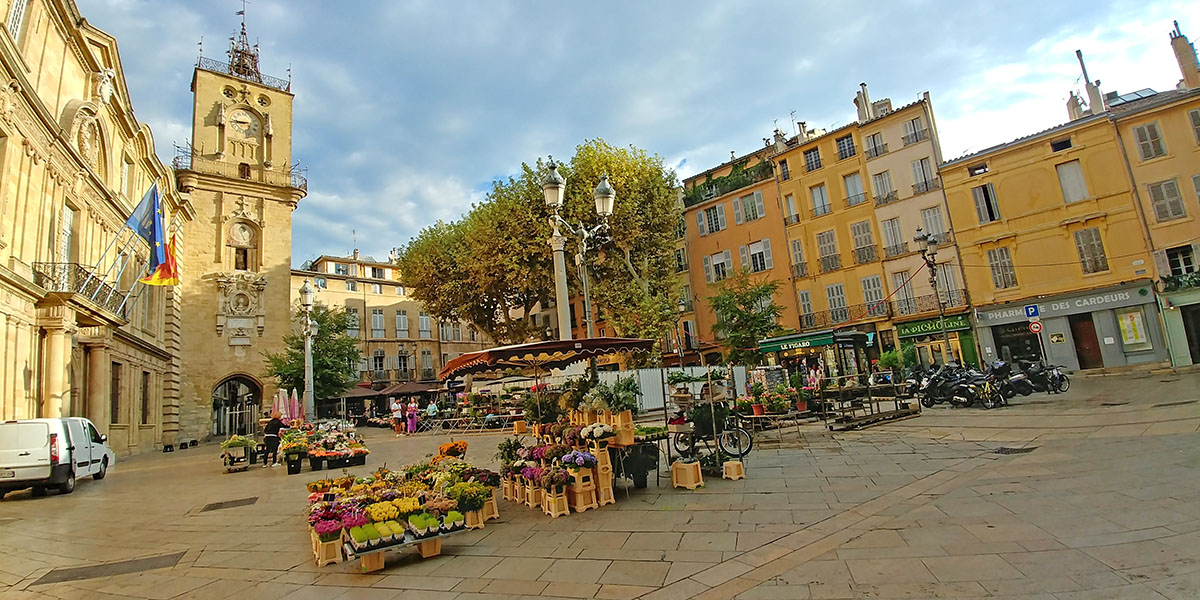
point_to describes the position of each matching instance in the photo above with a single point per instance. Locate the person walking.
(397, 408)
(414, 411)
(271, 439)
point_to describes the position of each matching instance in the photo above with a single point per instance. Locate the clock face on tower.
(244, 123)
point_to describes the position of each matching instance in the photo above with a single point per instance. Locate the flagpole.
(153, 188)
(124, 248)
(171, 226)
(92, 271)
(117, 281)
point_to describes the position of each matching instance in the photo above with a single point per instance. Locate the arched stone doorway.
(235, 403)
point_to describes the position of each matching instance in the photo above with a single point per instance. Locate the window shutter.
(1174, 204)
(707, 270)
(918, 172)
(1161, 264)
(767, 253)
(758, 202)
(700, 226)
(728, 259)
(1143, 141)
(721, 216)
(908, 128)
(1156, 144)
(745, 256)
(737, 210)
(1159, 202)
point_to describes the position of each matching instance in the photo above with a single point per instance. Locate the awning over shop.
(409, 388)
(932, 326)
(795, 341)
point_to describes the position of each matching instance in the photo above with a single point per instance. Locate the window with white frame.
(16, 17)
(845, 147)
(377, 273)
(685, 296)
(1091, 250)
(872, 288)
(376, 288)
(402, 362)
(757, 256)
(902, 291)
(827, 250)
(351, 321)
(1181, 260)
(893, 239)
(986, 206)
(320, 282)
(784, 174)
(424, 326)
(377, 323)
(402, 323)
(718, 266)
(689, 335)
(748, 208)
(790, 202)
(1194, 120)
(923, 180)
(946, 280)
(884, 192)
(812, 159)
(426, 361)
(1000, 262)
(399, 290)
(340, 269)
(931, 221)
(820, 200)
(854, 189)
(836, 296)
(711, 219)
(1149, 141)
(351, 285)
(1164, 197)
(378, 360)
(874, 144)
(914, 131)
(797, 252)
(1070, 180)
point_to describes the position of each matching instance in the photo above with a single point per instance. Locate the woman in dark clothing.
(271, 439)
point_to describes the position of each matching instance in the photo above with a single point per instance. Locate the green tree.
(746, 313)
(335, 355)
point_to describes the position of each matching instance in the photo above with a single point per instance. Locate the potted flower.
(756, 392)
(598, 433)
(456, 520)
(744, 405)
(576, 460)
(555, 479)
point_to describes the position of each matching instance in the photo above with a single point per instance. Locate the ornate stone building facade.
(79, 336)
(238, 175)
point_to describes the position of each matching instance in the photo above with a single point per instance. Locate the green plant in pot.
(706, 416)
(541, 408)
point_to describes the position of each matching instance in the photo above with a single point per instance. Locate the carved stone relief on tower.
(102, 85)
(240, 315)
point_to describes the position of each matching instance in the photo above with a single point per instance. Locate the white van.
(45, 453)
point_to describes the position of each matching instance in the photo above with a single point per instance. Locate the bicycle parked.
(731, 438)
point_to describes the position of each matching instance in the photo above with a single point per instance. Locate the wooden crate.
(686, 475)
(556, 504)
(733, 470)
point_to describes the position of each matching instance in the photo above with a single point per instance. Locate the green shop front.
(927, 336)
(820, 354)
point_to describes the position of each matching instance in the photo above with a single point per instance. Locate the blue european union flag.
(147, 221)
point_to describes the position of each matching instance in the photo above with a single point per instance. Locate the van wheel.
(38, 491)
(67, 486)
(3, 493)
(103, 470)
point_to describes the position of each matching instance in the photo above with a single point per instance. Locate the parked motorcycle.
(947, 384)
(1058, 378)
(1038, 376)
(1010, 383)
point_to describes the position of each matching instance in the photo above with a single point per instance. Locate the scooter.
(949, 384)
(1037, 376)
(1010, 384)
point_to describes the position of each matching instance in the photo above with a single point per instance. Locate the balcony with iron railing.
(791, 219)
(379, 375)
(845, 152)
(820, 210)
(865, 254)
(916, 136)
(216, 66)
(831, 262)
(737, 179)
(1183, 281)
(428, 374)
(896, 250)
(928, 185)
(800, 269)
(856, 199)
(876, 151)
(188, 160)
(887, 198)
(86, 285)
(929, 303)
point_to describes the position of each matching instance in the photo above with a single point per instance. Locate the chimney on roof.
(1185, 55)
(1075, 107)
(356, 254)
(1095, 98)
(863, 102)
(780, 141)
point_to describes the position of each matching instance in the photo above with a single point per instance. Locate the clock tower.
(235, 304)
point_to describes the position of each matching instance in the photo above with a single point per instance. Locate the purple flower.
(579, 460)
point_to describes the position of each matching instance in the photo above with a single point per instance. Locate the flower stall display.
(576, 460)
(598, 434)
(233, 459)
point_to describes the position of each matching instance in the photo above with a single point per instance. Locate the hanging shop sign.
(1058, 306)
(795, 343)
(931, 326)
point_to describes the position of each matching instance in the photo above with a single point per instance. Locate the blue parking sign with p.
(1031, 311)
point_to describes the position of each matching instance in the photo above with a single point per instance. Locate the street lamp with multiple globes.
(929, 253)
(309, 329)
(590, 238)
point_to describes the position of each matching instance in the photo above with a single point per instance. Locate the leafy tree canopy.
(746, 313)
(335, 355)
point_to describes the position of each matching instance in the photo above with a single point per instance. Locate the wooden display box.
(733, 470)
(520, 428)
(519, 489)
(604, 488)
(624, 437)
(686, 475)
(506, 489)
(556, 504)
(474, 519)
(327, 553)
(533, 496)
(623, 419)
(490, 511)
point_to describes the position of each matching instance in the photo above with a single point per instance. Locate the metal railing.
(876, 151)
(832, 262)
(868, 310)
(186, 160)
(929, 302)
(887, 198)
(897, 250)
(1175, 283)
(865, 254)
(800, 269)
(916, 136)
(216, 66)
(858, 198)
(74, 278)
(820, 209)
(846, 152)
(379, 375)
(427, 374)
(791, 219)
(928, 185)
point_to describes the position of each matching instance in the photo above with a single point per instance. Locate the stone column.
(99, 380)
(59, 323)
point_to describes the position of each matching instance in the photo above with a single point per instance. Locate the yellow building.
(400, 342)
(1159, 134)
(1049, 220)
(238, 175)
(80, 336)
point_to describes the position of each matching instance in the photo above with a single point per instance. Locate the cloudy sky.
(406, 111)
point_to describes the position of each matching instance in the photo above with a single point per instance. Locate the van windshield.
(19, 436)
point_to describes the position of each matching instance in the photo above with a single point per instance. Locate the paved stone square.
(1106, 506)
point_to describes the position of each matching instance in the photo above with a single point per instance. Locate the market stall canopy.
(542, 356)
(408, 388)
(360, 392)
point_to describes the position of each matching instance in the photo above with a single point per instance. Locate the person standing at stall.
(271, 439)
(414, 411)
(397, 408)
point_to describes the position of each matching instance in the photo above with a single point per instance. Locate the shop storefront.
(1181, 317)
(927, 336)
(816, 353)
(1106, 327)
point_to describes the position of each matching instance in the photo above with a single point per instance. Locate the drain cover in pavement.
(1113, 403)
(1180, 403)
(109, 569)
(230, 504)
(1004, 450)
